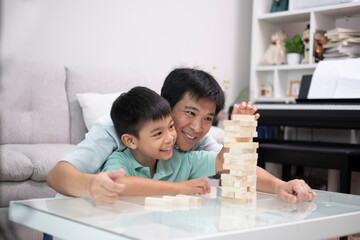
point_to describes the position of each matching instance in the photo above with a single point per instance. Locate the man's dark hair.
(131, 110)
(197, 83)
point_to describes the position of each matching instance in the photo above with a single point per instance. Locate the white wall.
(151, 36)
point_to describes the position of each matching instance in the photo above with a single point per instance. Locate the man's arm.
(103, 187)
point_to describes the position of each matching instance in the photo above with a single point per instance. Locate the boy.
(143, 122)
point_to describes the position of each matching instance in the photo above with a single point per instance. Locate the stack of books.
(343, 43)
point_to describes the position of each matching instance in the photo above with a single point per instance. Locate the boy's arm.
(139, 186)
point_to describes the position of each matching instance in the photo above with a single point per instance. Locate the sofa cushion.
(34, 161)
(12, 191)
(94, 106)
(33, 103)
(14, 166)
(96, 80)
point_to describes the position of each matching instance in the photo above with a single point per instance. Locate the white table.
(330, 215)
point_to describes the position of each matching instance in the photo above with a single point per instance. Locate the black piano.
(321, 114)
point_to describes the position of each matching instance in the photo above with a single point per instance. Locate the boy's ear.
(129, 140)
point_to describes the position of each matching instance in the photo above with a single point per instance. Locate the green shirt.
(180, 167)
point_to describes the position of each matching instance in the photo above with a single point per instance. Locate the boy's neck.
(145, 162)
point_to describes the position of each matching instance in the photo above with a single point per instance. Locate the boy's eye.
(171, 126)
(157, 134)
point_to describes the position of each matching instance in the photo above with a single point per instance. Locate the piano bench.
(343, 157)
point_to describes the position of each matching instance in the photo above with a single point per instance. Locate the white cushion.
(95, 105)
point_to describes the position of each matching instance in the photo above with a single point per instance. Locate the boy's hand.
(105, 189)
(245, 108)
(195, 186)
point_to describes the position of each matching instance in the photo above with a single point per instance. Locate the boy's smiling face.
(156, 140)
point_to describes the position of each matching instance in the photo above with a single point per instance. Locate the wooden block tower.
(241, 160)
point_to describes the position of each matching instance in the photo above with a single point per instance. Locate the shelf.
(285, 67)
(294, 21)
(297, 15)
(286, 16)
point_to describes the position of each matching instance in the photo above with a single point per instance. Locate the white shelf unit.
(264, 24)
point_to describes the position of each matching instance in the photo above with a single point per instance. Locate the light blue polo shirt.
(180, 167)
(90, 154)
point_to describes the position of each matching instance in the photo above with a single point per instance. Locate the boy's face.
(156, 140)
(192, 120)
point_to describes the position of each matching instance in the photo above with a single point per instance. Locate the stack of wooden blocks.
(241, 160)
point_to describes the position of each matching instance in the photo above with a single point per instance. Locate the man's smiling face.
(193, 119)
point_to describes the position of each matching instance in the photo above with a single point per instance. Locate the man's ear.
(129, 140)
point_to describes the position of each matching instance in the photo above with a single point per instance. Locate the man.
(195, 98)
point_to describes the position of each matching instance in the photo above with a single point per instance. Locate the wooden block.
(192, 199)
(250, 178)
(242, 123)
(237, 128)
(242, 151)
(248, 156)
(178, 201)
(242, 167)
(237, 139)
(237, 135)
(241, 173)
(153, 201)
(227, 192)
(246, 117)
(242, 145)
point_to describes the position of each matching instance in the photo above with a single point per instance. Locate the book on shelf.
(342, 43)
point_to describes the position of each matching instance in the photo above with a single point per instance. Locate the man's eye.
(209, 119)
(191, 113)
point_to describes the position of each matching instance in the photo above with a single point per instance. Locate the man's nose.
(196, 125)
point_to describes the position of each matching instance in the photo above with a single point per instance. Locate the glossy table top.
(330, 215)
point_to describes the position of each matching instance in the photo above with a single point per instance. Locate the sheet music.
(348, 85)
(336, 79)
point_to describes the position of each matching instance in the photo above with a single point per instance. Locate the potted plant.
(294, 47)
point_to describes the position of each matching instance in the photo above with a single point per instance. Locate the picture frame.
(294, 88)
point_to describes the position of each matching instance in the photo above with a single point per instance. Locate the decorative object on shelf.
(320, 40)
(266, 90)
(305, 39)
(279, 5)
(275, 52)
(294, 47)
(294, 88)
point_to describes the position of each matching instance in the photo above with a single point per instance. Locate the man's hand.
(295, 191)
(195, 186)
(245, 108)
(105, 189)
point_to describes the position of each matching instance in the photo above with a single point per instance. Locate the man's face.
(192, 120)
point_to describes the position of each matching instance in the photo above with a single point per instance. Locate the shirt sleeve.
(90, 154)
(117, 161)
(203, 163)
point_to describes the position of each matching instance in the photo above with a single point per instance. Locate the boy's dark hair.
(131, 110)
(197, 83)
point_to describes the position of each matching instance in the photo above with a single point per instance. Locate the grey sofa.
(40, 121)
